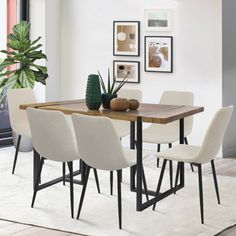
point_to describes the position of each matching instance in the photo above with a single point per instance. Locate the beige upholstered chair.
(53, 139)
(99, 147)
(18, 118)
(199, 155)
(169, 133)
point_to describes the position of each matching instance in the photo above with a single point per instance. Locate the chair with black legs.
(199, 155)
(169, 133)
(53, 139)
(99, 147)
(18, 118)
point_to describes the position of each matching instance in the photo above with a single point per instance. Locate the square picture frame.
(158, 54)
(159, 20)
(126, 38)
(121, 68)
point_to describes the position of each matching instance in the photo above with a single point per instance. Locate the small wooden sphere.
(133, 104)
(119, 104)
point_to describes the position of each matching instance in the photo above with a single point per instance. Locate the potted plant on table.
(111, 91)
(19, 68)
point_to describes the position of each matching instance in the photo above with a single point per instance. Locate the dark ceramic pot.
(93, 96)
(106, 99)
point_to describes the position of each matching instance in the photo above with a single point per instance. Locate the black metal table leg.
(181, 141)
(36, 166)
(139, 163)
(132, 146)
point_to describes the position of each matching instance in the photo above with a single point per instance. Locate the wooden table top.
(150, 113)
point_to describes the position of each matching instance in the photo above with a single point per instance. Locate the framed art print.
(158, 20)
(159, 54)
(126, 35)
(129, 68)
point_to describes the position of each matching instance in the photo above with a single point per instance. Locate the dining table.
(146, 113)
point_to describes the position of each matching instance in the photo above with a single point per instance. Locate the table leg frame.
(140, 205)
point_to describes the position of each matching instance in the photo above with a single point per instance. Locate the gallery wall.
(87, 39)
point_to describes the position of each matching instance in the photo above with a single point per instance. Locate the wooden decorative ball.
(133, 104)
(119, 104)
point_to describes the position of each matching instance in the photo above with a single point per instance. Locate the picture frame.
(126, 38)
(158, 54)
(121, 68)
(158, 20)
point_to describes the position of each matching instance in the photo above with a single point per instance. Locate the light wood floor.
(226, 167)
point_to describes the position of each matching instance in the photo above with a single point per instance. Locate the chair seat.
(181, 152)
(162, 134)
(131, 156)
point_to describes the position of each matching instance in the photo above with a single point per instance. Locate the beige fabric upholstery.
(18, 118)
(169, 133)
(123, 127)
(211, 143)
(99, 145)
(52, 136)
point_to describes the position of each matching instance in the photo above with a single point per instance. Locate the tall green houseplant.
(19, 69)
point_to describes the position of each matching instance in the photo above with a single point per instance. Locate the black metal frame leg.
(201, 192)
(87, 170)
(16, 154)
(215, 181)
(70, 167)
(119, 198)
(37, 181)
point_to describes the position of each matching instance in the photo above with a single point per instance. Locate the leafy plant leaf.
(102, 83)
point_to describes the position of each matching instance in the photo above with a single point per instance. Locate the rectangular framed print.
(158, 20)
(126, 37)
(130, 68)
(159, 54)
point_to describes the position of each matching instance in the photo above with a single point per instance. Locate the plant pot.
(106, 99)
(93, 98)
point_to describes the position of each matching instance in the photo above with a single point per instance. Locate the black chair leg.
(70, 167)
(119, 198)
(111, 182)
(160, 181)
(177, 176)
(87, 170)
(171, 173)
(158, 150)
(145, 184)
(215, 180)
(201, 192)
(64, 173)
(16, 153)
(37, 182)
(192, 167)
(96, 179)
(186, 140)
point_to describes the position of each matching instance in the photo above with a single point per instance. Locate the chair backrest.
(98, 143)
(52, 136)
(131, 93)
(180, 98)
(16, 97)
(214, 135)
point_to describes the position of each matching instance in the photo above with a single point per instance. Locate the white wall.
(3, 25)
(38, 26)
(45, 22)
(86, 45)
(53, 41)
